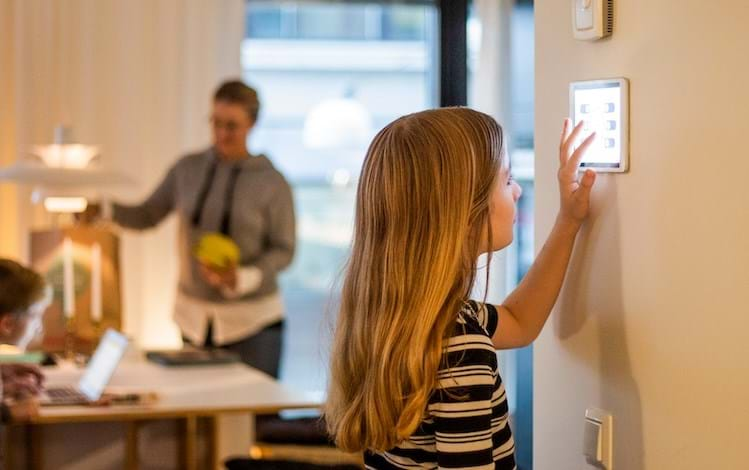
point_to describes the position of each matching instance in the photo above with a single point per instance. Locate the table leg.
(8, 457)
(251, 430)
(34, 447)
(235, 434)
(131, 445)
(213, 439)
(188, 454)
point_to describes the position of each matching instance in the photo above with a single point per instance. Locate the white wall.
(652, 323)
(133, 77)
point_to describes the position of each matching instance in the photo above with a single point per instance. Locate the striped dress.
(466, 421)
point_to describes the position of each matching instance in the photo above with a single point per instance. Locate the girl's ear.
(7, 324)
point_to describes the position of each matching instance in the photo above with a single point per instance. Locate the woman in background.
(224, 190)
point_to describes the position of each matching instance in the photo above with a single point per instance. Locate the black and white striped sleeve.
(486, 315)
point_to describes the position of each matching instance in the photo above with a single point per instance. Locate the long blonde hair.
(422, 203)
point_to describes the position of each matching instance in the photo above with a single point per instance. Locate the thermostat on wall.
(604, 106)
(592, 19)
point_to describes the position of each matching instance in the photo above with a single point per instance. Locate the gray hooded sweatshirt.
(251, 194)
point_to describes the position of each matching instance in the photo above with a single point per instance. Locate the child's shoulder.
(476, 317)
(469, 351)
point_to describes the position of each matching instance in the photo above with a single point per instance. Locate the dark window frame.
(452, 53)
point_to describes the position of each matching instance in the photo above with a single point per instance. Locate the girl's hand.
(574, 194)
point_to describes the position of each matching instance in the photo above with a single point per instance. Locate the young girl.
(414, 380)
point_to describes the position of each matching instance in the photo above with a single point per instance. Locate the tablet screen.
(602, 105)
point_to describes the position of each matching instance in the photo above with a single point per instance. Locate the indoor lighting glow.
(64, 152)
(65, 204)
(64, 165)
(66, 155)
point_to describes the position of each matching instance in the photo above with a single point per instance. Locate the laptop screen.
(102, 364)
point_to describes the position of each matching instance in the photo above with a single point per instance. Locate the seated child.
(24, 297)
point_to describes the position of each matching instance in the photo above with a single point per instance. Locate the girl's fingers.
(589, 177)
(565, 131)
(586, 184)
(577, 156)
(569, 142)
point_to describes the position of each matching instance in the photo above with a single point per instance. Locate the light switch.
(598, 437)
(583, 14)
(592, 441)
(592, 19)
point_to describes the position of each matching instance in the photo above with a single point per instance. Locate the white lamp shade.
(37, 173)
(62, 175)
(66, 155)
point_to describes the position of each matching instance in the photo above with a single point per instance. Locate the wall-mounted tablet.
(604, 106)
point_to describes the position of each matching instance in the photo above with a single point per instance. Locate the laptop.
(99, 370)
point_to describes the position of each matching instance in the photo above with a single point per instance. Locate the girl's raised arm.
(524, 312)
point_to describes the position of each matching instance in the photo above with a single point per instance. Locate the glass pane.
(403, 24)
(331, 22)
(264, 22)
(328, 83)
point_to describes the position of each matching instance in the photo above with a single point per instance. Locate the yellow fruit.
(217, 250)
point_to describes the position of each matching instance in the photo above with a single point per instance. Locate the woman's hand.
(219, 278)
(574, 194)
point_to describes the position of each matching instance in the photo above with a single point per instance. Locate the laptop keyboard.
(65, 395)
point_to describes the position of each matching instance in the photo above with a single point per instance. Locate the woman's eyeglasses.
(228, 126)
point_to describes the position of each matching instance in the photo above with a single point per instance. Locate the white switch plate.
(598, 438)
(592, 19)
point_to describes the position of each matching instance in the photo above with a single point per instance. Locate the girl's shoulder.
(468, 354)
(477, 315)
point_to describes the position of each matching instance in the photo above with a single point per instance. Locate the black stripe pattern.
(465, 425)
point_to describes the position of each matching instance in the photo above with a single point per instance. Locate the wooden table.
(222, 398)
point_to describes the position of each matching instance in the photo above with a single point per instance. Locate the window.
(334, 21)
(329, 75)
(264, 22)
(313, 62)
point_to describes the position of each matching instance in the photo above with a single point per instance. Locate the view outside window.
(329, 75)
